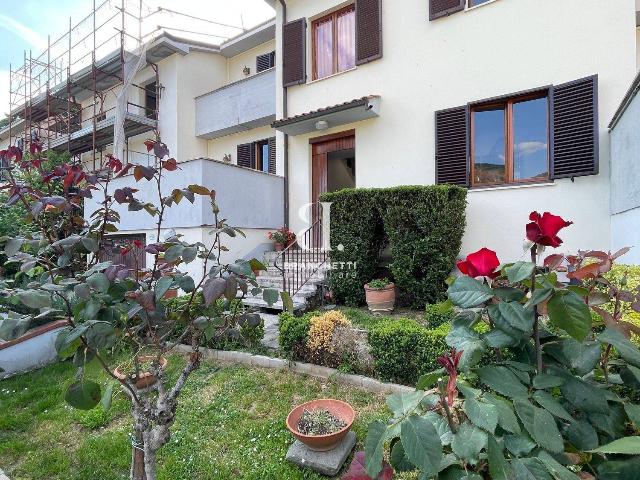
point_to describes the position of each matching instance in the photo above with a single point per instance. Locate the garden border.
(318, 371)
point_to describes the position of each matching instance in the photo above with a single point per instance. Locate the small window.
(265, 62)
(510, 141)
(475, 3)
(262, 155)
(151, 101)
(334, 43)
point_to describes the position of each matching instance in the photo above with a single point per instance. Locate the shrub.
(352, 351)
(437, 314)
(423, 225)
(293, 333)
(403, 349)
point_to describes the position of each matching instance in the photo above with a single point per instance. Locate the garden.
(501, 370)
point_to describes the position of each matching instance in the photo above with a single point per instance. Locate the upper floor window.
(334, 43)
(475, 3)
(265, 62)
(510, 141)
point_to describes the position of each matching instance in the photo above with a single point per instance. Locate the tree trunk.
(138, 459)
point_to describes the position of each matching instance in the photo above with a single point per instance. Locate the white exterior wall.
(502, 47)
(235, 65)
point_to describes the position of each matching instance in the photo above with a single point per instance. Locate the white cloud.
(27, 34)
(529, 148)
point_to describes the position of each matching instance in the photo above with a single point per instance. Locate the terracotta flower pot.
(381, 300)
(322, 443)
(146, 379)
(278, 246)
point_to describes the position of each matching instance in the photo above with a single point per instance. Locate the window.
(475, 3)
(151, 101)
(262, 155)
(510, 141)
(259, 155)
(265, 62)
(334, 43)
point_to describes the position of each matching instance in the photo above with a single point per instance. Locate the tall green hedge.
(424, 226)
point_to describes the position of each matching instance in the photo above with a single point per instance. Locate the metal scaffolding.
(65, 98)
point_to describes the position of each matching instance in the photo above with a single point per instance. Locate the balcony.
(247, 198)
(239, 106)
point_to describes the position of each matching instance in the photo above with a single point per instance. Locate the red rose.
(544, 229)
(138, 243)
(480, 264)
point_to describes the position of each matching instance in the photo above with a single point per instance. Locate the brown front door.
(321, 150)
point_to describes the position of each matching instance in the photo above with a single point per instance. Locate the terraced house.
(509, 98)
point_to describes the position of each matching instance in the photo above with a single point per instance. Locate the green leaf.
(581, 435)
(582, 357)
(402, 403)
(442, 427)
(68, 340)
(186, 283)
(503, 324)
(502, 380)
(162, 286)
(173, 253)
(99, 281)
(540, 425)
(500, 339)
(13, 246)
(539, 296)
(631, 376)
(506, 416)
(468, 441)
(287, 301)
(544, 380)
(517, 316)
(549, 403)
(91, 244)
(34, 298)
(467, 292)
(520, 271)
(497, 463)
(270, 295)
(428, 380)
(189, 254)
(519, 445)
(398, 459)
(83, 394)
(107, 397)
(558, 471)
(374, 448)
(625, 446)
(12, 328)
(483, 415)
(421, 444)
(584, 396)
(633, 412)
(213, 289)
(529, 469)
(469, 343)
(568, 311)
(619, 469)
(509, 294)
(625, 348)
(100, 335)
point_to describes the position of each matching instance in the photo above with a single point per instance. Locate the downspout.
(286, 135)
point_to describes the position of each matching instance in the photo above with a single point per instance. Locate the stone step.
(259, 303)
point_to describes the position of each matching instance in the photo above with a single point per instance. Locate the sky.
(25, 24)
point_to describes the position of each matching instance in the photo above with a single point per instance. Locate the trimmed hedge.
(423, 225)
(404, 350)
(437, 314)
(293, 333)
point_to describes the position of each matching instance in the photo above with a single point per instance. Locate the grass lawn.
(230, 425)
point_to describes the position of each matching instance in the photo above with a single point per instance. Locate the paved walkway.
(3, 476)
(270, 339)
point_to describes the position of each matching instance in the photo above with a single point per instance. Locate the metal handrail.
(303, 264)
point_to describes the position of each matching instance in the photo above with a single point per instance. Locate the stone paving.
(270, 339)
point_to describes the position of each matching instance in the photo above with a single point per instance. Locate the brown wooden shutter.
(272, 155)
(452, 140)
(265, 62)
(574, 142)
(442, 8)
(294, 52)
(246, 155)
(368, 30)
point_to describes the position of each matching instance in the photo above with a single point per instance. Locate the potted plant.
(282, 238)
(381, 295)
(321, 424)
(141, 371)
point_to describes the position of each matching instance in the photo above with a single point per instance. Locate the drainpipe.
(286, 136)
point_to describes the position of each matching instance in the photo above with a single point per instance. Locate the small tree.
(543, 393)
(107, 304)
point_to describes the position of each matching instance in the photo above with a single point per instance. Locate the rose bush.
(550, 405)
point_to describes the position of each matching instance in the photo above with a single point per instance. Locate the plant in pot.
(282, 238)
(321, 424)
(381, 295)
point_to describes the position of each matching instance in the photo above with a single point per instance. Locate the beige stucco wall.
(499, 48)
(236, 64)
(219, 147)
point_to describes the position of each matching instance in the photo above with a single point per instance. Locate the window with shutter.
(272, 155)
(334, 42)
(451, 146)
(442, 8)
(245, 155)
(368, 30)
(575, 128)
(265, 62)
(294, 64)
